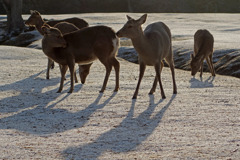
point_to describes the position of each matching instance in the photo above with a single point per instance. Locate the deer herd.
(72, 41)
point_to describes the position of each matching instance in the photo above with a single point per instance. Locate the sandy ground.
(201, 122)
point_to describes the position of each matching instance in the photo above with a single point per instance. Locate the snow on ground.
(201, 122)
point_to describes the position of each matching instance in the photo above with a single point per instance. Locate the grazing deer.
(82, 47)
(203, 49)
(65, 26)
(153, 45)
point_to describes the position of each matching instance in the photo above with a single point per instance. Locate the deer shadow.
(23, 93)
(43, 119)
(208, 83)
(129, 134)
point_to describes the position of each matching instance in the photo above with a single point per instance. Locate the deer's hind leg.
(155, 80)
(158, 75)
(210, 65)
(116, 66)
(108, 67)
(71, 65)
(170, 62)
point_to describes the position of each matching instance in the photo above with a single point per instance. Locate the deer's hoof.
(150, 93)
(82, 82)
(70, 90)
(134, 97)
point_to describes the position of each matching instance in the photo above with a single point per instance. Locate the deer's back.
(66, 27)
(203, 40)
(90, 42)
(78, 22)
(160, 28)
(159, 37)
(90, 35)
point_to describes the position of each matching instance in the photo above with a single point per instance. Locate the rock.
(226, 62)
(23, 39)
(128, 53)
(36, 44)
(229, 64)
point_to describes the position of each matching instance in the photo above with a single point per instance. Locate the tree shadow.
(129, 134)
(208, 83)
(43, 119)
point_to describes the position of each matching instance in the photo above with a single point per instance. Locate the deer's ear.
(45, 30)
(142, 19)
(128, 17)
(36, 12)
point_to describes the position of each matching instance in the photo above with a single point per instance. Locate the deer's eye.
(129, 27)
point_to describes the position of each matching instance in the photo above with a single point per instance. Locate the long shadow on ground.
(208, 83)
(130, 133)
(43, 118)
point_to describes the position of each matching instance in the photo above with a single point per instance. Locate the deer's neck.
(200, 56)
(48, 50)
(140, 43)
(39, 26)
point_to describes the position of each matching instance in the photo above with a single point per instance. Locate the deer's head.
(195, 64)
(132, 28)
(34, 18)
(54, 37)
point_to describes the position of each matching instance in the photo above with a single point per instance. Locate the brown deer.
(66, 27)
(203, 49)
(73, 24)
(82, 47)
(36, 20)
(153, 45)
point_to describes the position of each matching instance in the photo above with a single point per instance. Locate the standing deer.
(203, 49)
(153, 45)
(82, 47)
(65, 26)
(36, 20)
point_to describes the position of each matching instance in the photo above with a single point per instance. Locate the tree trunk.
(15, 22)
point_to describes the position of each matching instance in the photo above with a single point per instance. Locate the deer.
(36, 20)
(83, 47)
(67, 25)
(203, 49)
(153, 45)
